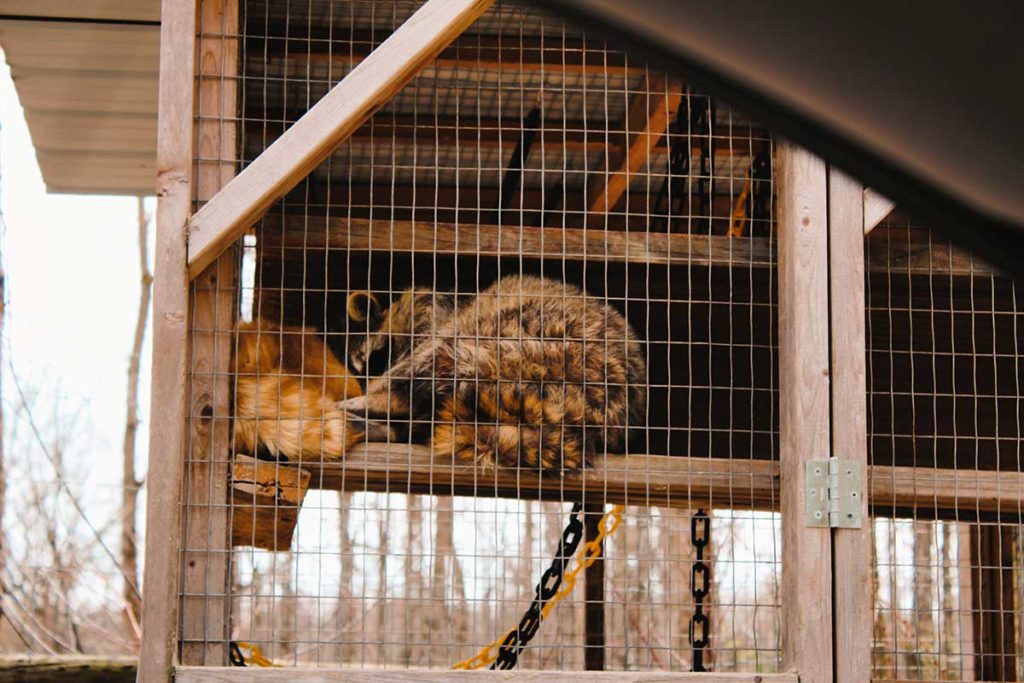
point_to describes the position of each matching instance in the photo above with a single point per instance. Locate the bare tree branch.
(130, 489)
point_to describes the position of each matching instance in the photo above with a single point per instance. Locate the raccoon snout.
(353, 405)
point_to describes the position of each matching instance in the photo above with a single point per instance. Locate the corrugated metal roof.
(86, 73)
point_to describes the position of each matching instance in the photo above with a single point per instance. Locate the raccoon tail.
(514, 423)
(290, 419)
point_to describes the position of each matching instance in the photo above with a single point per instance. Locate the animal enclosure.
(543, 283)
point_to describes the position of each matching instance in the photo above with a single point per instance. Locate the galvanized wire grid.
(489, 164)
(944, 371)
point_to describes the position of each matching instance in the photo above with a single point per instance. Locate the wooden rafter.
(876, 208)
(647, 119)
(332, 120)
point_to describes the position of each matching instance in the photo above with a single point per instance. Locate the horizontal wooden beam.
(627, 479)
(328, 123)
(197, 674)
(663, 480)
(491, 240)
(965, 491)
(900, 255)
(295, 233)
(67, 669)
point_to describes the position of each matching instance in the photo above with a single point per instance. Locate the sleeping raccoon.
(287, 389)
(530, 372)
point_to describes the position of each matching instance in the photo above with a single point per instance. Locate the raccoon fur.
(286, 394)
(531, 372)
(411, 321)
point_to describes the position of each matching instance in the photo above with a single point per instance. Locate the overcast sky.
(72, 272)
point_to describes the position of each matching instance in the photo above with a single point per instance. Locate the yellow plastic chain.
(256, 655)
(589, 554)
(739, 211)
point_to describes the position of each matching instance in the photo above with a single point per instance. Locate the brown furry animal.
(288, 387)
(411, 321)
(530, 372)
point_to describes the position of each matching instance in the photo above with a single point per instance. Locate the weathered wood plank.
(627, 479)
(804, 426)
(168, 405)
(205, 620)
(68, 669)
(851, 547)
(491, 240)
(875, 208)
(363, 234)
(377, 78)
(299, 675)
(658, 480)
(265, 499)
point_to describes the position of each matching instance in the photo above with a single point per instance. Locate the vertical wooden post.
(168, 404)
(851, 547)
(965, 607)
(593, 655)
(205, 619)
(992, 597)
(803, 409)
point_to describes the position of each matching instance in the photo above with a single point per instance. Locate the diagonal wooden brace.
(330, 122)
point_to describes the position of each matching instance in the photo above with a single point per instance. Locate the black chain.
(235, 656)
(761, 189)
(700, 585)
(670, 202)
(516, 641)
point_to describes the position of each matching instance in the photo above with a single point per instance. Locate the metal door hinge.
(834, 493)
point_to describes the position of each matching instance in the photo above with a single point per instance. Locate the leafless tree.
(130, 484)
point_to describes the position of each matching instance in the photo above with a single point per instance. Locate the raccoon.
(411, 321)
(286, 394)
(531, 372)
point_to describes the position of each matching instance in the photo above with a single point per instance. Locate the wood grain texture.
(328, 123)
(298, 675)
(168, 404)
(628, 479)
(361, 234)
(851, 547)
(803, 409)
(67, 669)
(205, 604)
(265, 502)
(655, 480)
(875, 208)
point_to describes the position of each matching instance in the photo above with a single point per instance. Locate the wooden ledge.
(627, 479)
(297, 233)
(664, 480)
(209, 674)
(360, 234)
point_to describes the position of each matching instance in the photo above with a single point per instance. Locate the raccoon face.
(392, 333)
(367, 350)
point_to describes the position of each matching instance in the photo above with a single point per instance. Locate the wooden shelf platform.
(673, 481)
(209, 674)
(316, 232)
(289, 236)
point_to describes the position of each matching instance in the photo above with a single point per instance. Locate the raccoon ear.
(363, 306)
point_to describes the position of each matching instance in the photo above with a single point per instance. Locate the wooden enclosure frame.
(823, 219)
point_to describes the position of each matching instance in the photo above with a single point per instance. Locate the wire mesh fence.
(945, 394)
(527, 179)
(544, 273)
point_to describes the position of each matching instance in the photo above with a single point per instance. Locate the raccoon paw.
(371, 430)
